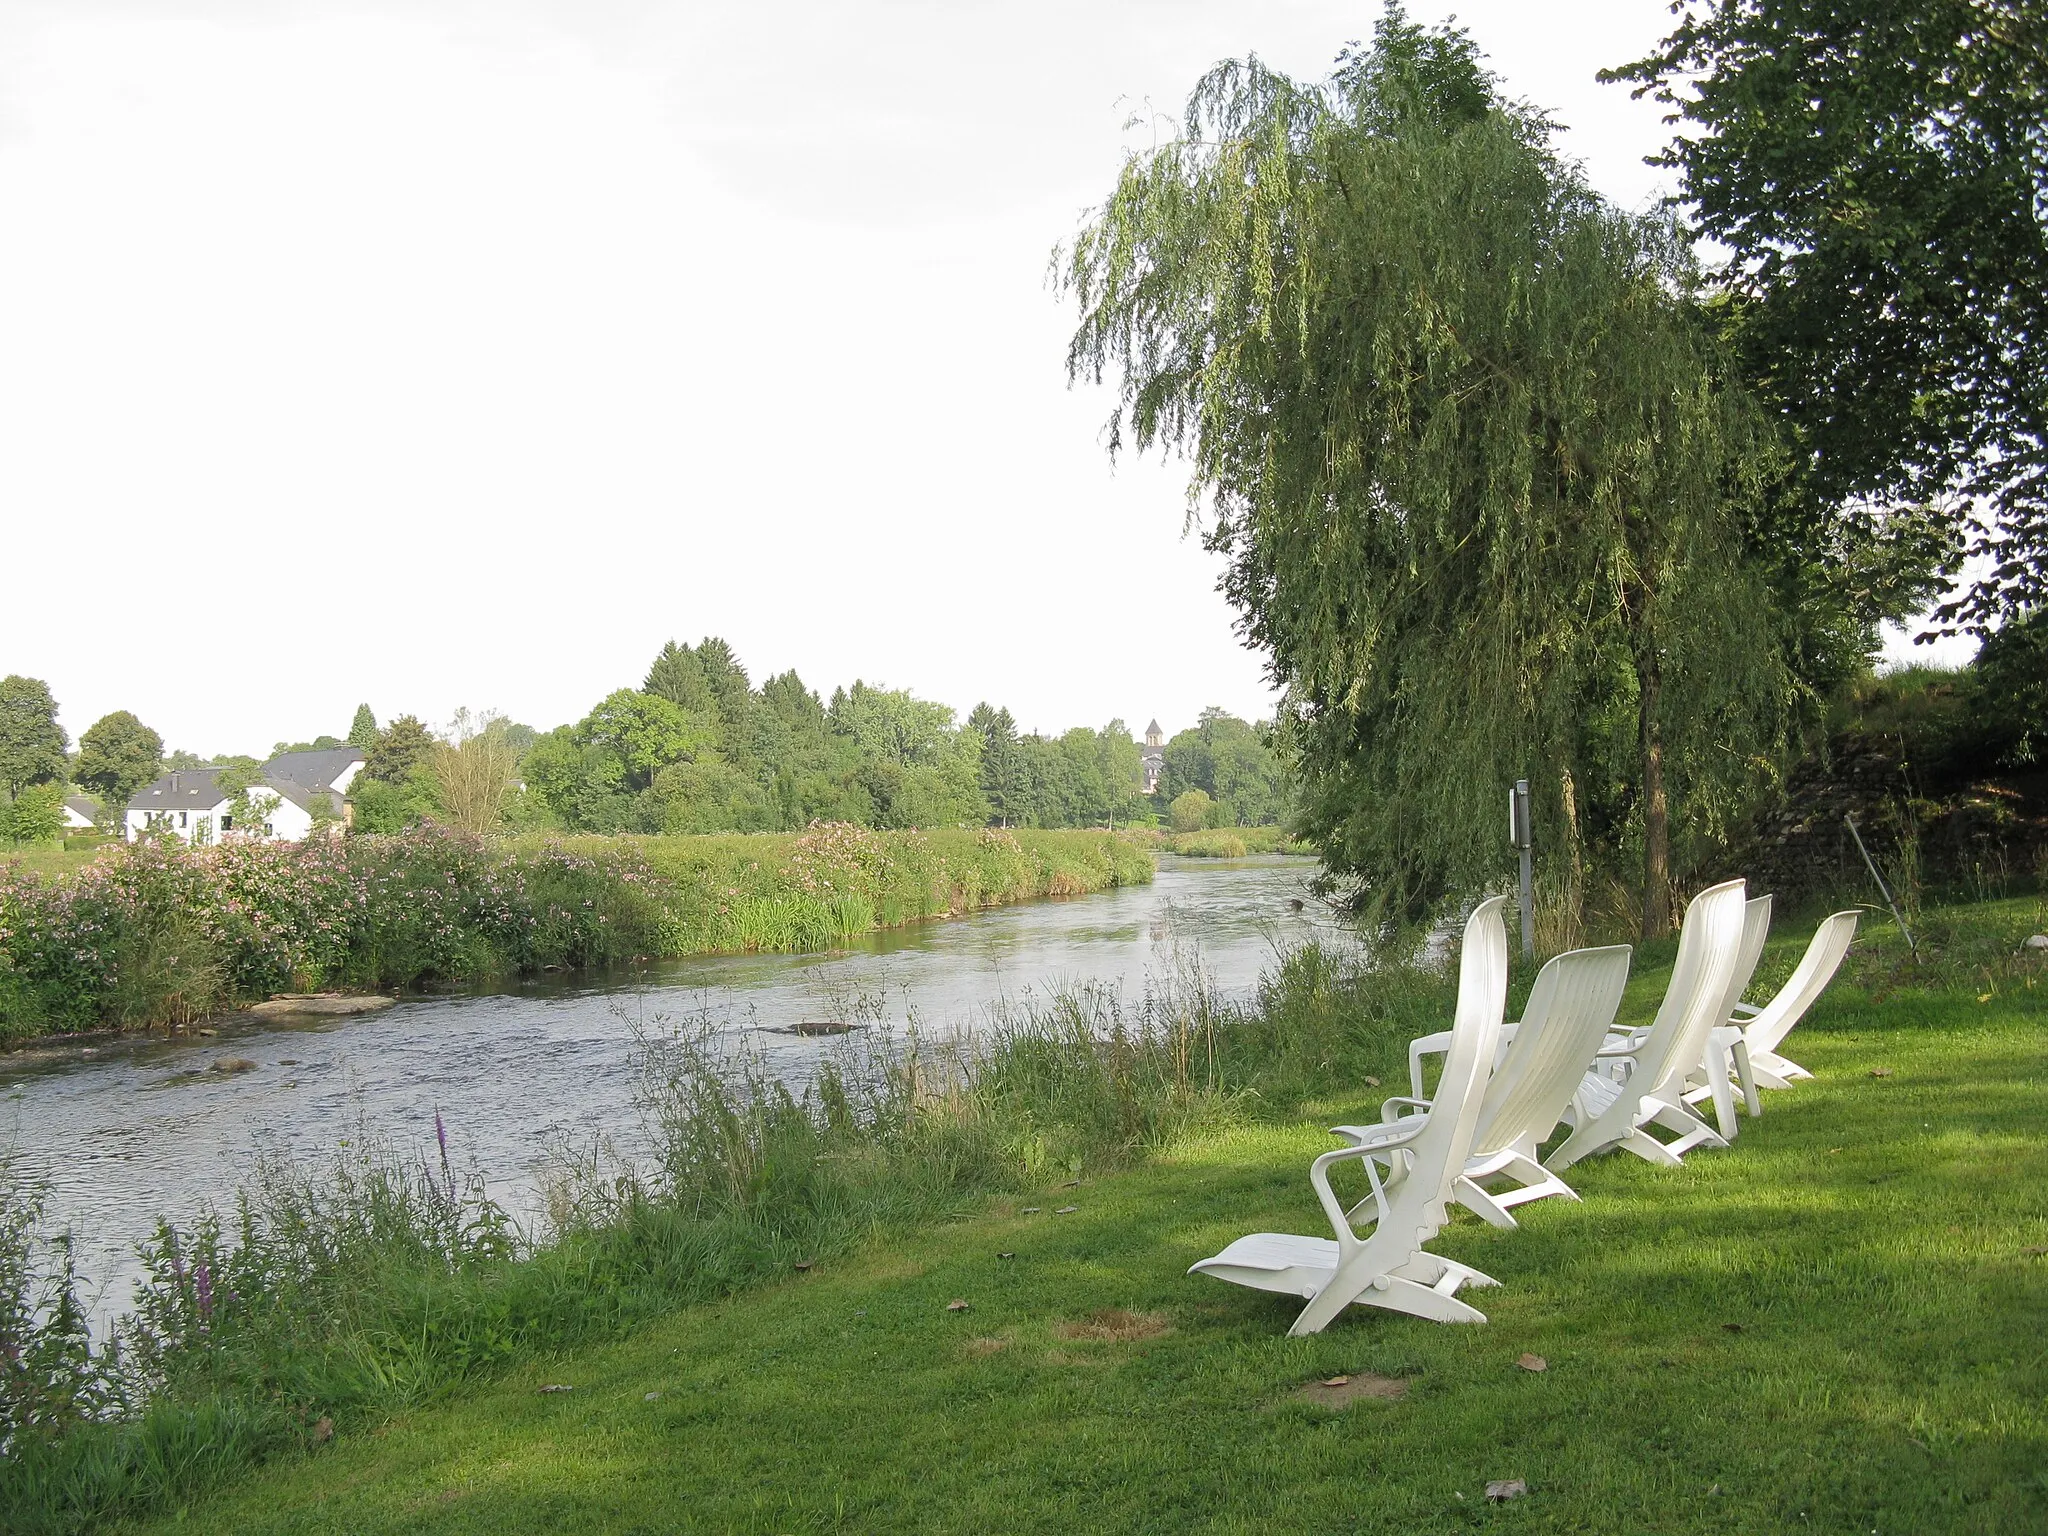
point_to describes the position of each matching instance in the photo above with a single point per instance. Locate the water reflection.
(128, 1129)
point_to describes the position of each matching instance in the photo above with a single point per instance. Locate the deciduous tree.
(117, 755)
(1477, 471)
(32, 744)
(1877, 175)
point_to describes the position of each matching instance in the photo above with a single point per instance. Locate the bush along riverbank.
(161, 934)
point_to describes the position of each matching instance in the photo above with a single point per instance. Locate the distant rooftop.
(314, 770)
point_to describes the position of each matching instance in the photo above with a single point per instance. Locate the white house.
(291, 794)
(80, 814)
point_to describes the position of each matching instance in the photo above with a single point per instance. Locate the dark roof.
(190, 789)
(1153, 728)
(83, 806)
(316, 771)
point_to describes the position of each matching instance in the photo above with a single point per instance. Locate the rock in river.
(324, 1005)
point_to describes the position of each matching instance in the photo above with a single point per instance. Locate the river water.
(123, 1130)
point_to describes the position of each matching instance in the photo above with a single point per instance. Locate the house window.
(227, 822)
(181, 818)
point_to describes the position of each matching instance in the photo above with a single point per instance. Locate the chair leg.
(1750, 1098)
(1483, 1205)
(1724, 1095)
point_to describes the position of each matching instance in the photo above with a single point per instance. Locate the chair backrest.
(1442, 1147)
(1815, 970)
(1570, 1009)
(1708, 947)
(1756, 927)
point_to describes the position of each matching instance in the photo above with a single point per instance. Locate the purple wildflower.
(202, 1290)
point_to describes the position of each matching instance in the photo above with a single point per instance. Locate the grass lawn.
(1839, 1325)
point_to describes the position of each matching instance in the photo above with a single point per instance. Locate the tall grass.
(341, 1290)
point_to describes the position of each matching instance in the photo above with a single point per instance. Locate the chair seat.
(1274, 1261)
(1598, 1093)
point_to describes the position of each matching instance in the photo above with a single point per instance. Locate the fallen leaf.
(1033, 1210)
(1833, 1150)
(323, 1431)
(803, 1264)
(556, 1386)
(1714, 1492)
(1984, 997)
(1372, 1082)
(651, 1397)
(2035, 1252)
(1731, 1327)
(1911, 1441)
(1006, 1255)
(1880, 1071)
(1335, 1381)
(1533, 1363)
(1066, 1210)
(1071, 1184)
(956, 1305)
(1501, 1492)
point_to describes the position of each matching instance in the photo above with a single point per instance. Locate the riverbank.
(160, 935)
(757, 1332)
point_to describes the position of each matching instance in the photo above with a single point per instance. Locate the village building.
(80, 814)
(1153, 758)
(292, 794)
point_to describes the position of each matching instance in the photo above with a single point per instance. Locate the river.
(125, 1129)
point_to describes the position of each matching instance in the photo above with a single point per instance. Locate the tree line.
(697, 747)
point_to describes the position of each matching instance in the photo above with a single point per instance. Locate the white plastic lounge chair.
(1710, 1077)
(1618, 1113)
(1751, 1045)
(1545, 1056)
(1389, 1268)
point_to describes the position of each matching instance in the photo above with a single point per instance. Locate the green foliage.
(1876, 174)
(401, 747)
(1236, 764)
(35, 815)
(362, 730)
(1478, 472)
(118, 755)
(32, 744)
(1191, 809)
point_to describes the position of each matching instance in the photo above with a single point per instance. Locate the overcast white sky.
(441, 353)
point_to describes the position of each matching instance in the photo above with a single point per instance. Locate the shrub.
(1190, 810)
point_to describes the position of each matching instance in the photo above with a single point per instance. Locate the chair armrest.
(1744, 1011)
(1428, 1045)
(1390, 1111)
(1319, 1177)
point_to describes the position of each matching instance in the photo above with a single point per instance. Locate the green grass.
(50, 861)
(1839, 1325)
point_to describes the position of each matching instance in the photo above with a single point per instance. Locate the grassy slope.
(1876, 1240)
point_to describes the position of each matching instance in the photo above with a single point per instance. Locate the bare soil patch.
(1342, 1391)
(1113, 1325)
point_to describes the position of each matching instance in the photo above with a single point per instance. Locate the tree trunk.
(1574, 868)
(1656, 812)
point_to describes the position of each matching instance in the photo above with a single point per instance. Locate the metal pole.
(1883, 889)
(1528, 910)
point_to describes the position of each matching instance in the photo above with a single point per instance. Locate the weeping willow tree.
(1478, 476)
